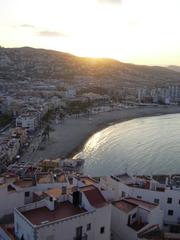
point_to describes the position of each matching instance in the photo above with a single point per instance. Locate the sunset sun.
(128, 30)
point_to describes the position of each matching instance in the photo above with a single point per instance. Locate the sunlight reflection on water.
(144, 145)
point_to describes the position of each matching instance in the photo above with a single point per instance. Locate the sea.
(147, 145)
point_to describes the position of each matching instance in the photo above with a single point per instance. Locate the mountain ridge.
(43, 64)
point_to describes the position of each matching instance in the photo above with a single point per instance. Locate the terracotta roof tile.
(94, 196)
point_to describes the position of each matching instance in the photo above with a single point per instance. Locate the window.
(27, 194)
(102, 229)
(79, 232)
(169, 200)
(179, 201)
(88, 226)
(170, 212)
(134, 215)
(156, 200)
(139, 197)
(123, 194)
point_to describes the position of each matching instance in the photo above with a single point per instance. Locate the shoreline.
(69, 138)
(106, 125)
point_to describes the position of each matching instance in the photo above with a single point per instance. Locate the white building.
(15, 192)
(13, 148)
(131, 218)
(30, 122)
(70, 93)
(166, 194)
(82, 215)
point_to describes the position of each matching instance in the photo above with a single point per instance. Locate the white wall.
(150, 196)
(23, 227)
(103, 219)
(9, 200)
(156, 217)
(66, 229)
(16, 199)
(119, 227)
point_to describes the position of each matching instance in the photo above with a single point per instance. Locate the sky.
(136, 31)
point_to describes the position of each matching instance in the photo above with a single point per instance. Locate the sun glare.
(130, 30)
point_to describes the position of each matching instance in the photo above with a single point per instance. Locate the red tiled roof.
(63, 210)
(94, 196)
(124, 205)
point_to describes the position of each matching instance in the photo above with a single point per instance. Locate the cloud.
(51, 34)
(27, 26)
(109, 1)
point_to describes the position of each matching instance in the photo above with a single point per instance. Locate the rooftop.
(63, 210)
(124, 205)
(8, 230)
(141, 203)
(57, 192)
(124, 178)
(24, 183)
(47, 178)
(94, 196)
(54, 192)
(88, 181)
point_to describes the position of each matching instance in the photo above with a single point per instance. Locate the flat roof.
(24, 183)
(124, 205)
(87, 180)
(63, 210)
(141, 203)
(54, 192)
(49, 178)
(44, 178)
(123, 177)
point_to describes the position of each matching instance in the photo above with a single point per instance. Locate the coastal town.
(45, 202)
(44, 193)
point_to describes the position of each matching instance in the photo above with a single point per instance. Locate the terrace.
(43, 214)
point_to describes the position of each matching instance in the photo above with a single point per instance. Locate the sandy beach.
(69, 137)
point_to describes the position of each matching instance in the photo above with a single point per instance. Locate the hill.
(40, 64)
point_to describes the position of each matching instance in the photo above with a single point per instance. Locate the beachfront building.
(21, 134)
(9, 148)
(132, 218)
(165, 193)
(27, 121)
(80, 215)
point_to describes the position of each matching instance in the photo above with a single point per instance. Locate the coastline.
(69, 138)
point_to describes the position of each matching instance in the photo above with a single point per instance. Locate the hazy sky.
(138, 31)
